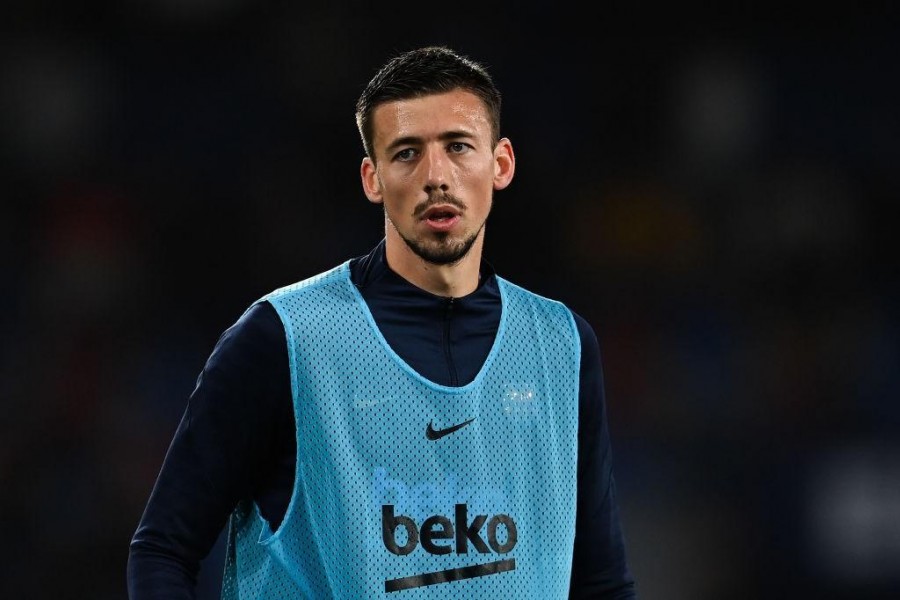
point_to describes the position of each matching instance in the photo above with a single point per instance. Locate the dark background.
(711, 191)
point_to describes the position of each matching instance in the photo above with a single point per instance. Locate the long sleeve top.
(237, 437)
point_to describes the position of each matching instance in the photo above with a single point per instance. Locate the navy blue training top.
(237, 438)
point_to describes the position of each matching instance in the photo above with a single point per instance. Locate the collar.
(372, 267)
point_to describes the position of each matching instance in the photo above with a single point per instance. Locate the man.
(407, 424)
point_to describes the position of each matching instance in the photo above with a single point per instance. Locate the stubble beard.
(442, 250)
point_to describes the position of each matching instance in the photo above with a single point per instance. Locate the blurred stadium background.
(711, 191)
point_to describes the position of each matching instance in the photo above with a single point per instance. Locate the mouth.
(440, 213)
(441, 217)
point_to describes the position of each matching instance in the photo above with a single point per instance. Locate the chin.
(447, 252)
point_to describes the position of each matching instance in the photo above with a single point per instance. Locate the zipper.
(451, 367)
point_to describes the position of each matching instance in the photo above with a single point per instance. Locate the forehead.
(429, 116)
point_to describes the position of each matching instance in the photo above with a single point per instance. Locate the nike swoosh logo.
(435, 434)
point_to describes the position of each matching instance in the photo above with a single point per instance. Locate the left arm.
(599, 565)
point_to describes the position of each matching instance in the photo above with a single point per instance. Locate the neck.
(453, 280)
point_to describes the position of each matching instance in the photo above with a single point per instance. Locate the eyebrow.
(412, 140)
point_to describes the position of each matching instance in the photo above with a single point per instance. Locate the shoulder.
(261, 322)
(510, 289)
(257, 329)
(589, 343)
(510, 286)
(339, 273)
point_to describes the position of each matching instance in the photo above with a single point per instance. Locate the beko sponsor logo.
(439, 520)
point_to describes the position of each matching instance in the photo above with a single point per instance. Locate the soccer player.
(407, 424)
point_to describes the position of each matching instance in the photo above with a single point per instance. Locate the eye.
(405, 155)
(457, 147)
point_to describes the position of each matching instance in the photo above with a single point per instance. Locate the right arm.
(224, 450)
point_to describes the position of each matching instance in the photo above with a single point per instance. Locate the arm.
(599, 566)
(221, 453)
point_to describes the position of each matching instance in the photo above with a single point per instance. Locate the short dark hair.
(422, 72)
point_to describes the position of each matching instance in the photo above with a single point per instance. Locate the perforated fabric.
(483, 509)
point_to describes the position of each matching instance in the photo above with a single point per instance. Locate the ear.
(504, 164)
(370, 181)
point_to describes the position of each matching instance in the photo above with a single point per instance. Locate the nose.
(435, 164)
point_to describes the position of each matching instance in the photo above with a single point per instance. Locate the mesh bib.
(409, 489)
